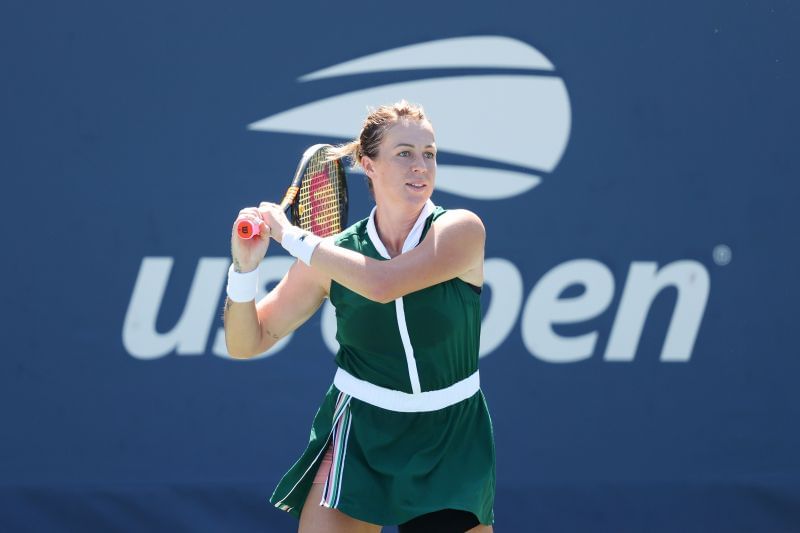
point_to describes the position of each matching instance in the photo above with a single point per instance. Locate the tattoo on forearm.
(276, 337)
(236, 266)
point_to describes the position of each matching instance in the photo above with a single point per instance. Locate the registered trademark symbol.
(722, 254)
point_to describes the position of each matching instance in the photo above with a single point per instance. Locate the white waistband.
(403, 402)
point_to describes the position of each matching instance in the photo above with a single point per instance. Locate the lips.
(416, 186)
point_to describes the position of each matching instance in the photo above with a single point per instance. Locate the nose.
(418, 165)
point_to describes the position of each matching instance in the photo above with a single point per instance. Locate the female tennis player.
(403, 435)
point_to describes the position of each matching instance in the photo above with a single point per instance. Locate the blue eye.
(403, 153)
(430, 155)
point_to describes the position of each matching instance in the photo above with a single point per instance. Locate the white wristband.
(242, 287)
(301, 244)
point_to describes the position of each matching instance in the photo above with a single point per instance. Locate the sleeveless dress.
(405, 417)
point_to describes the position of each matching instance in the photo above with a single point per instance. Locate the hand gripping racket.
(317, 196)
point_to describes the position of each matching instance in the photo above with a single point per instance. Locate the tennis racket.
(317, 196)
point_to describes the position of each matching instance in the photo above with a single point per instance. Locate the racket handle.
(246, 229)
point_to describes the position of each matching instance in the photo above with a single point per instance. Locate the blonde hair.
(377, 123)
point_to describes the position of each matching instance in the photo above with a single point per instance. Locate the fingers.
(248, 253)
(250, 213)
(267, 216)
(273, 215)
(253, 215)
(266, 231)
(268, 210)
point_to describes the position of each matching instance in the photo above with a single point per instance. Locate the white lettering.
(545, 308)
(644, 283)
(190, 334)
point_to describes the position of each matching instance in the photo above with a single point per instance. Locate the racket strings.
(321, 197)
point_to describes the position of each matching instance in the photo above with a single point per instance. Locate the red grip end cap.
(246, 229)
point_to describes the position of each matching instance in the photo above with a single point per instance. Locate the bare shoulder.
(462, 232)
(461, 221)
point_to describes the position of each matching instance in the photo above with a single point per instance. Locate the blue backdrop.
(632, 164)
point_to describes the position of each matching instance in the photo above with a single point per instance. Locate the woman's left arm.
(452, 248)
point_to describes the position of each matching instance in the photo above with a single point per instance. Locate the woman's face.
(404, 170)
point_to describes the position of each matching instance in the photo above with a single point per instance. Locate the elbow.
(240, 351)
(240, 355)
(380, 283)
(387, 297)
(381, 291)
(237, 352)
(243, 336)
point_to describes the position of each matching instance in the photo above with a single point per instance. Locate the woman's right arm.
(252, 328)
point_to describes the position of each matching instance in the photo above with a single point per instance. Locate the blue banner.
(631, 163)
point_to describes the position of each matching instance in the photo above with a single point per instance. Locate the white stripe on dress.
(342, 400)
(411, 241)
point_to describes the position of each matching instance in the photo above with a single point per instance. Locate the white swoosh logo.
(488, 51)
(519, 120)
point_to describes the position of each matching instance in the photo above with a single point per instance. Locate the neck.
(394, 226)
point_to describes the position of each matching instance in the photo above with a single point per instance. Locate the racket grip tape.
(288, 198)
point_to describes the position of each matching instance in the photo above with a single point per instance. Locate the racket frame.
(246, 229)
(290, 198)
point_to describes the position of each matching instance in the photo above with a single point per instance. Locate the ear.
(367, 165)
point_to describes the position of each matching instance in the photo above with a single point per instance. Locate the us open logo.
(512, 127)
(505, 127)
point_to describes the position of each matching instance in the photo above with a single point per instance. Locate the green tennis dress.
(405, 416)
